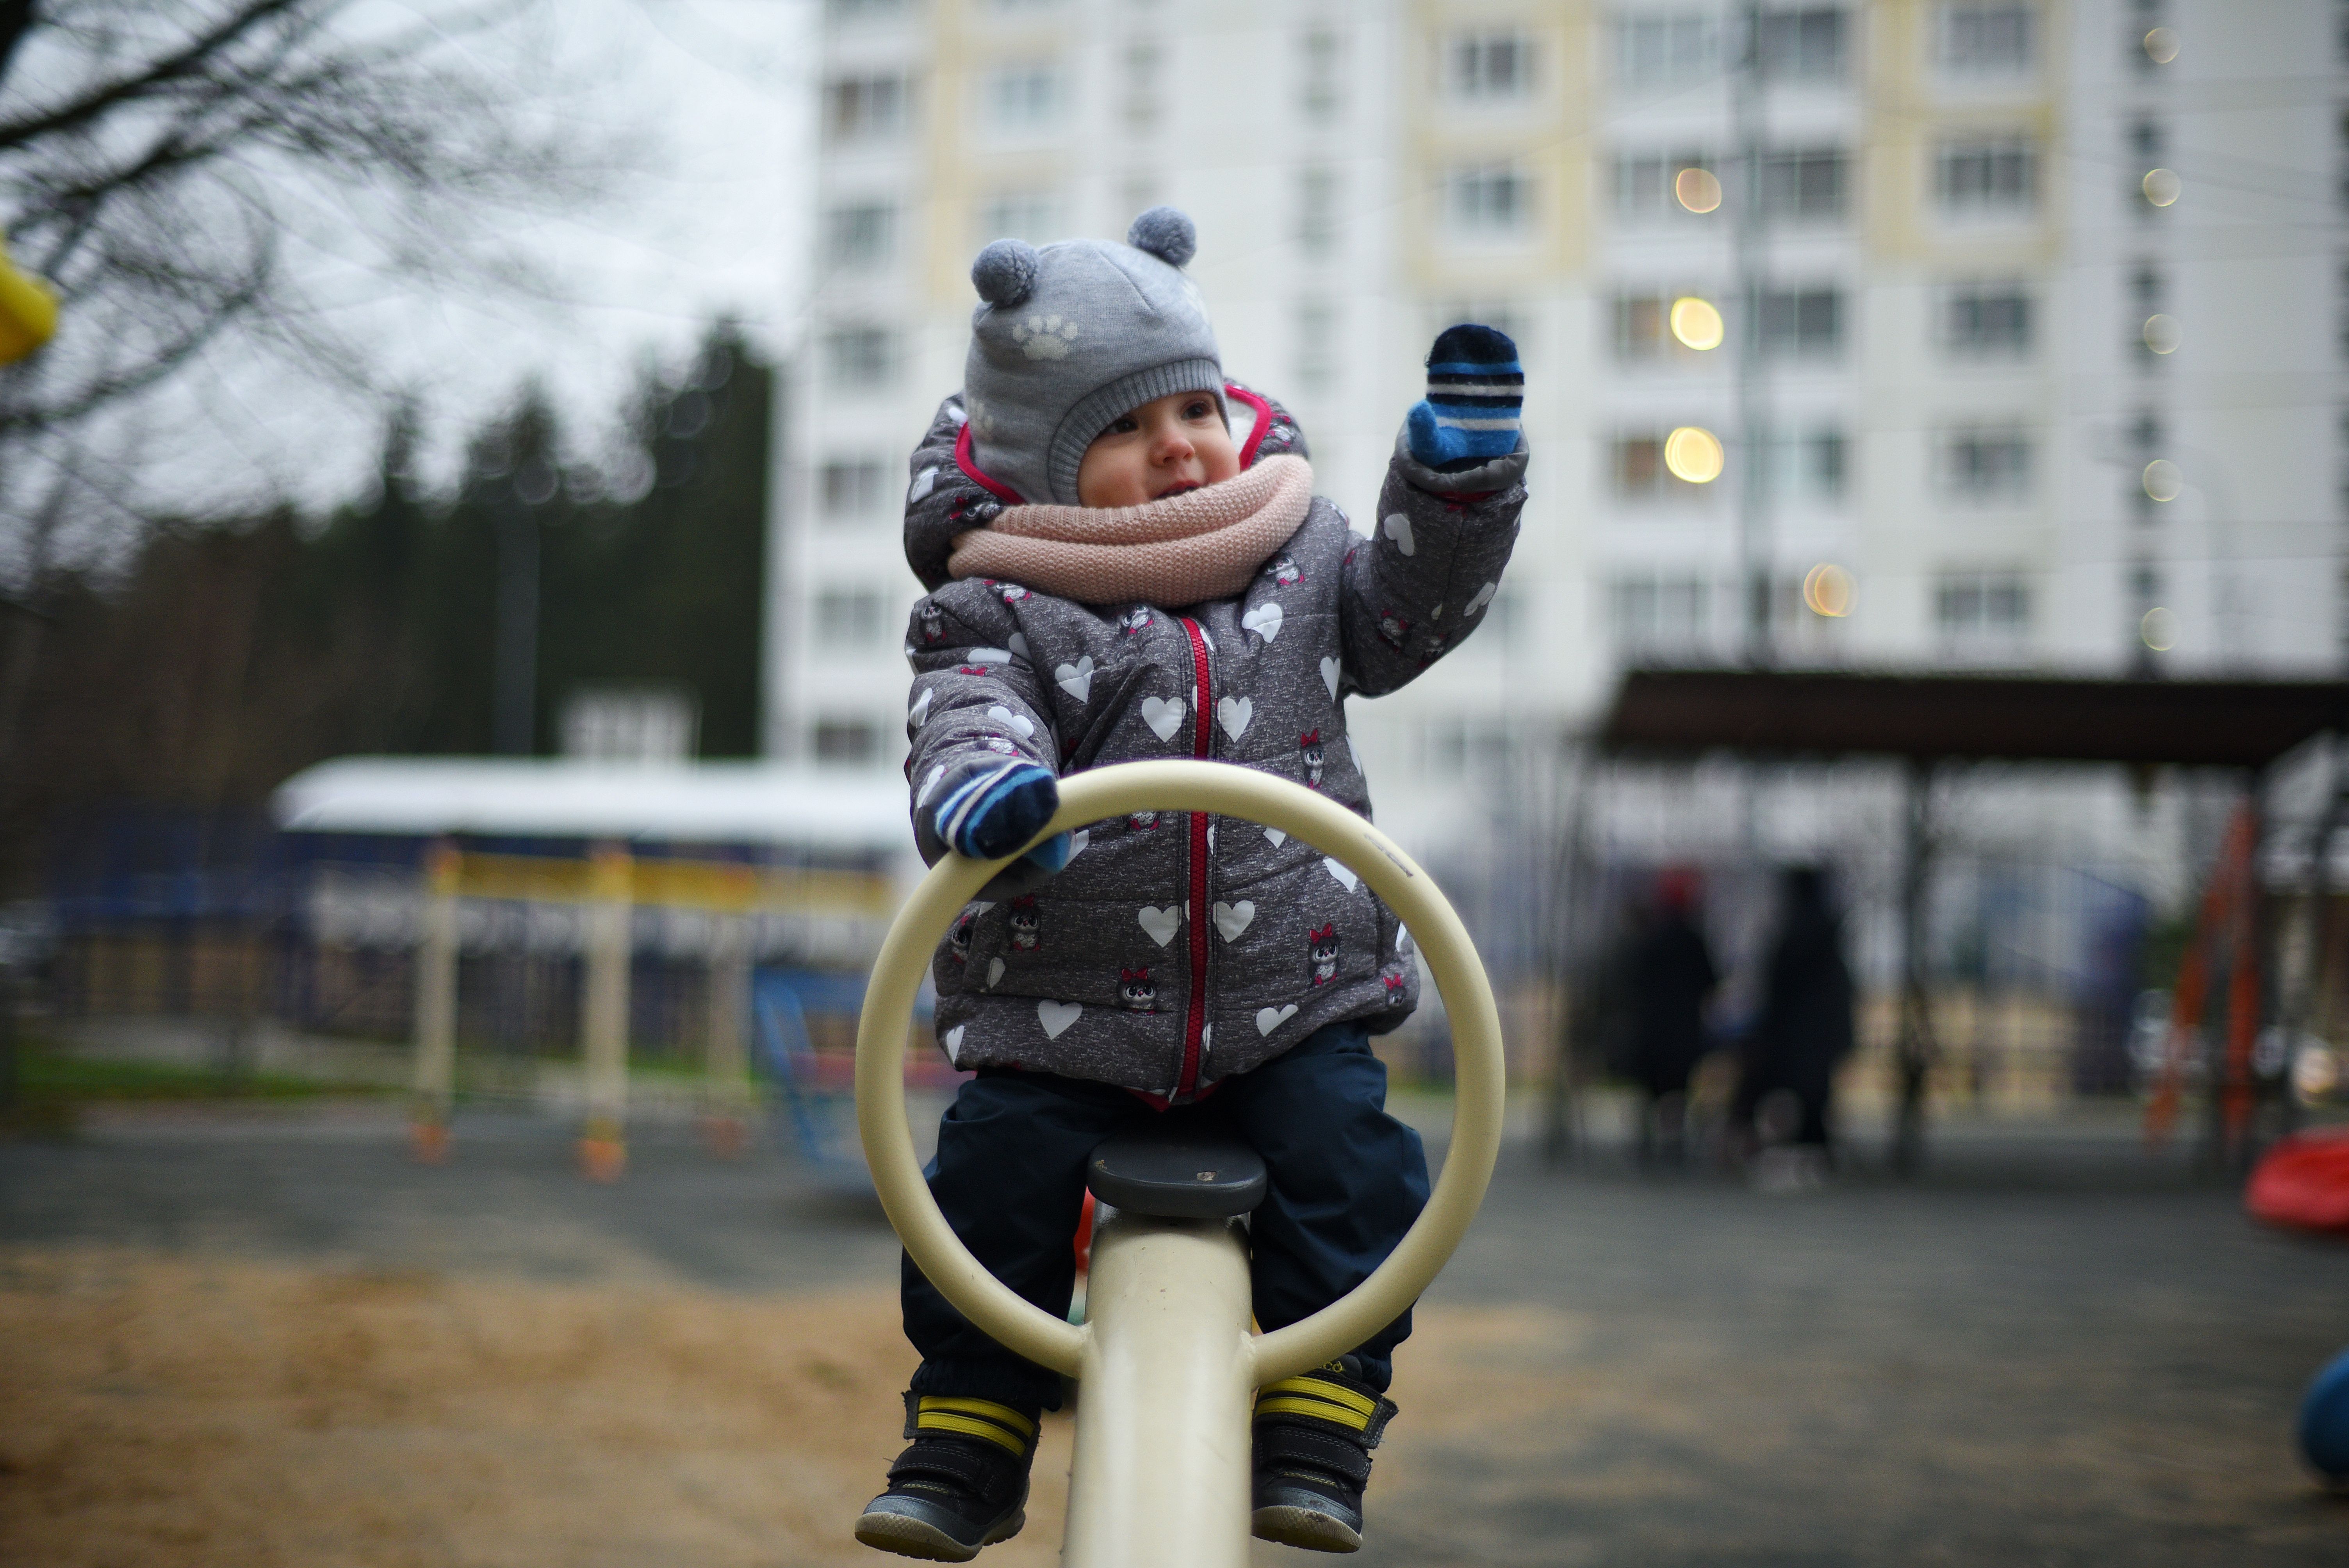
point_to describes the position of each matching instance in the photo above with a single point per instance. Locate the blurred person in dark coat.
(1672, 975)
(1805, 1028)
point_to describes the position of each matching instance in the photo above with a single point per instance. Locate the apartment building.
(1909, 333)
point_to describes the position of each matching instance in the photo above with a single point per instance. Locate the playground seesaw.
(1166, 1359)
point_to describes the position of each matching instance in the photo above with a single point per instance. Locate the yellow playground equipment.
(28, 311)
(1166, 1357)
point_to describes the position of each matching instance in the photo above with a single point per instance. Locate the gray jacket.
(1178, 949)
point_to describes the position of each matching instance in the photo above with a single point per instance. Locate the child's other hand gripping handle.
(1474, 388)
(994, 812)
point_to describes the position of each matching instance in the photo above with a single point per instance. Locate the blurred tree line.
(221, 657)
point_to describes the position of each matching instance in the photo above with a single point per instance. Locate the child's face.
(1165, 447)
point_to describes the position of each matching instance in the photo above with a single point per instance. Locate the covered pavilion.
(1929, 718)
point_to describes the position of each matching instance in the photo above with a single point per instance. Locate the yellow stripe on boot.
(999, 1424)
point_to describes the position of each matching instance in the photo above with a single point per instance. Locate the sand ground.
(277, 1342)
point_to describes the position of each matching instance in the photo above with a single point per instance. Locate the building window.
(1989, 176)
(849, 488)
(846, 741)
(1642, 328)
(1982, 606)
(1490, 199)
(1321, 52)
(1144, 63)
(859, 357)
(1656, 613)
(1986, 318)
(1984, 466)
(1986, 40)
(860, 234)
(1491, 65)
(847, 618)
(1808, 466)
(1317, 210)
(1029, 215)
(1643, 183)
(1803, 45)
(1641, 474)
(860, 108)
(1666, 51)
(1806, 324)
(1809, 182)
(1316, 345)
(1024, 98)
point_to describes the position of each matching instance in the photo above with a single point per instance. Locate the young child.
(1126, 560)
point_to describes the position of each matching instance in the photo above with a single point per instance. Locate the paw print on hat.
(1044, 336)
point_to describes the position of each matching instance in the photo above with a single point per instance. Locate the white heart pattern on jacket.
(924, 482)
(921, 712)
(1164, 715)
(1055, 1016)
(1264, 620)
(1484, 597)
(1267, 1019)
(1235, 714)
(1004, 715)
(1330, 668)
(1078, 841)
(1161, 924)
(1399, 530)
(1017, 645)
(1346, 879)
(922, 796)
(1232, 919)
(1277, 836)
(953, 1044)
(994, 972)
(1077, 679)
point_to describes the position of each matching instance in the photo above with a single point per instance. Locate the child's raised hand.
(1475, 387)
(996, 812)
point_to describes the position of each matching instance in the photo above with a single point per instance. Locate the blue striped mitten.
(1474, 388)
(998, 810)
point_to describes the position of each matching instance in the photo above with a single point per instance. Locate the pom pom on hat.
(1165, 233)
(1004, 273)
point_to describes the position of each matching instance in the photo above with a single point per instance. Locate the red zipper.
(1195, 914)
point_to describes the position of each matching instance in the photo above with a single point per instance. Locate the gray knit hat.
(1069, 337)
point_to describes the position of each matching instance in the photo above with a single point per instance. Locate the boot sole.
(1305, 1528)
(909, 1537)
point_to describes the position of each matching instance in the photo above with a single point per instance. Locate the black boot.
(1314, 1435)
(963, 1484)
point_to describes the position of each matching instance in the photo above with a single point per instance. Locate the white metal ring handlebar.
(1229, 790)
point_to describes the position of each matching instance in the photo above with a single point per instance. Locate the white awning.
(839, 811)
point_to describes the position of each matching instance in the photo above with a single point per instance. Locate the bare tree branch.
(179, 155)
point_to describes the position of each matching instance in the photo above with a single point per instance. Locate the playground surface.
(229, 1336)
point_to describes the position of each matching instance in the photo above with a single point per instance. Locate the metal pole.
(1745, 240)
(603, 1021)
(725, 1122)
(1914, 1050)
(435, 1002)
(1161, 1470)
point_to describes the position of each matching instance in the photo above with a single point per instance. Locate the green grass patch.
(58, 1076)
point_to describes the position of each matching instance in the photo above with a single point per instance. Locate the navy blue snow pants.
(1348, 1180)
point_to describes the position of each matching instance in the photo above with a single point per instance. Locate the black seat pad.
(1177, 1172)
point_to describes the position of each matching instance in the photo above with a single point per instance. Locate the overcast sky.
(710, 222)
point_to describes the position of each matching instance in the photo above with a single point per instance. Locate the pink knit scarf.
(1202, 544)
